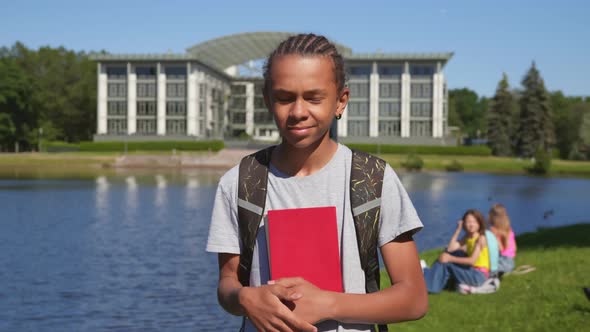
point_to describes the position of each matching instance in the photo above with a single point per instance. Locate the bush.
(152, 146)
(423, 149)
(454, 166)
(542, 163)
(413, 163)
(58, 146)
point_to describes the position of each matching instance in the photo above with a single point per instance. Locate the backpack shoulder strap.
(366, 182)
(252, 181)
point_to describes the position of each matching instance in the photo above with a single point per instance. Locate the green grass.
(491, 164)
(547, 299)
(486, 164)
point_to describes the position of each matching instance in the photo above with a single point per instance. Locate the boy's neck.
(303, 161)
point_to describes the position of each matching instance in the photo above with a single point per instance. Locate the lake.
(125, 252)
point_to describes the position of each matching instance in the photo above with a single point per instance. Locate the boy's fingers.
(289, 282)
(298, 324)
(284, 293)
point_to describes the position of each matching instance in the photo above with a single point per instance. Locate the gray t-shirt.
(327, 187)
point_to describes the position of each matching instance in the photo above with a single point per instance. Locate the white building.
(214, 91)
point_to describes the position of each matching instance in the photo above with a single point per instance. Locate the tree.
(467, 111)
(16, 114)
(499, 119)
(536, 123)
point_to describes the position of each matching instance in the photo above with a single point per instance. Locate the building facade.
(203, 94)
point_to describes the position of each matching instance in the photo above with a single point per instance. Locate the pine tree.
(499, 119)
(536, 123)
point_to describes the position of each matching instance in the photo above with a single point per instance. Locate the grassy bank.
(547, 299)
(488, 164)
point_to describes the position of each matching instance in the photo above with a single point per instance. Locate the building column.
(406, 96)
(250, 109)
(131, 99)
(192, 129)
(343, 123)
(208, 111)
(161, 103)
(437, 102)
(101, 102)
(374, 102)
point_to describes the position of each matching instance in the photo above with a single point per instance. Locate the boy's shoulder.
(229, 180)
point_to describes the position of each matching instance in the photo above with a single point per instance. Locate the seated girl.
(465, 261)
(500, 226)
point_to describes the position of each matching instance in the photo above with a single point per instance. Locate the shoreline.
(75, 162)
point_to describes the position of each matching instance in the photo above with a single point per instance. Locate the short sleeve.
(223, 230)
(398, 214)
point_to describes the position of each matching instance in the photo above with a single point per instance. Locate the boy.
(304, 90)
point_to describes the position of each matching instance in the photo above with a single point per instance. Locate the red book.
(304, 243)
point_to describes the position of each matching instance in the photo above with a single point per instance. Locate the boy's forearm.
(228, 296)
(400, 302)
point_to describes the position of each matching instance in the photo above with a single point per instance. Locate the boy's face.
(304, 98)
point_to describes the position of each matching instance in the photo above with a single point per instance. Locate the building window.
(175, 72)
(146, 90)
(238, 102)
(117, 107)
(263, 117)
(238, 89)
(359, 90)
(421, 90)
(390, 71)
(117, 90)
(358, 109)
(117, 126)
(389, 128)
(358, 128)
(259, 102)
(175, 108)
(389, 90)
(359, 71)
(421, 109)
(258, 88)
(146, 108)
(175, 127)
(238, 118)
(116, 73)
(175, 90)
(421, 70)
(421, 128)
(145, 72)
(146, 126)
(389, 109)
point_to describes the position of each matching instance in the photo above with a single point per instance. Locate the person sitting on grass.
(500, 226)
(465, 261)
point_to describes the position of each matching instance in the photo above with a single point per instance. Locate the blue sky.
(488, 37)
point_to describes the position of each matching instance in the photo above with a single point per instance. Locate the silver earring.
(338, 116)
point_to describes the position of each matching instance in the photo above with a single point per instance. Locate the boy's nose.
(298, 111)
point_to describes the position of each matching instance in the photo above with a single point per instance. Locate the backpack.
(493, 252)
(366, 181)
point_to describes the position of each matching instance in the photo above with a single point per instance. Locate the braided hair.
(307, 45)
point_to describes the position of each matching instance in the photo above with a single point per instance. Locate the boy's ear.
(342, 100)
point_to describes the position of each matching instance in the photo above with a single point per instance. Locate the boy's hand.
(314, 304)
(264, 308)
